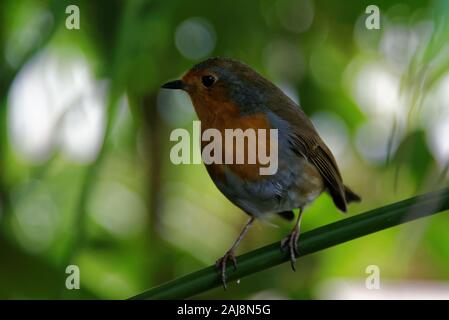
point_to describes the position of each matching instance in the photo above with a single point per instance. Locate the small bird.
(228, 94)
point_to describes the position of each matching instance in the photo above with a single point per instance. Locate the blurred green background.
(85, 173)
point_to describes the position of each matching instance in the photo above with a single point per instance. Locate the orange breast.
(226, 116)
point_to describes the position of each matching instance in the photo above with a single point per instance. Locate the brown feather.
(307, 143)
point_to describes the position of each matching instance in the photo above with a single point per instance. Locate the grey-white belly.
(293, 186)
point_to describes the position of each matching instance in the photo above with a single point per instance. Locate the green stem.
(309, 242)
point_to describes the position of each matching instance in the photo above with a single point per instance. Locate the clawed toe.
(222, 263)
(291, 241)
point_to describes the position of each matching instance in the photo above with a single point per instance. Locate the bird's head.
(220, 84)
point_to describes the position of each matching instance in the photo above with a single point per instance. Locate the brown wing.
(304, 138)
(310, 145)
(306, 142)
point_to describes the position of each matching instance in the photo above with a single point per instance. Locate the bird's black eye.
(208, 81)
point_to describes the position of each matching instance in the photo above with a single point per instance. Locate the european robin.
(228, 94)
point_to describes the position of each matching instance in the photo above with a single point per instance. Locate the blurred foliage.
(129, 218)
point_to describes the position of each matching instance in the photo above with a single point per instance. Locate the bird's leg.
(221, 263)
(291, 241)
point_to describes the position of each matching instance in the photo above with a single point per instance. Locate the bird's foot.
(291, 242)
(221, 265)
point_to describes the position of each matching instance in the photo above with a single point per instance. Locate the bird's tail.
(287, 215)
(351, 196)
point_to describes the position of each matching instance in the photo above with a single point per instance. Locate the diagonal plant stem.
(309, 242)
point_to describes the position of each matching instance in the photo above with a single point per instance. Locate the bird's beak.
(177, 84)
